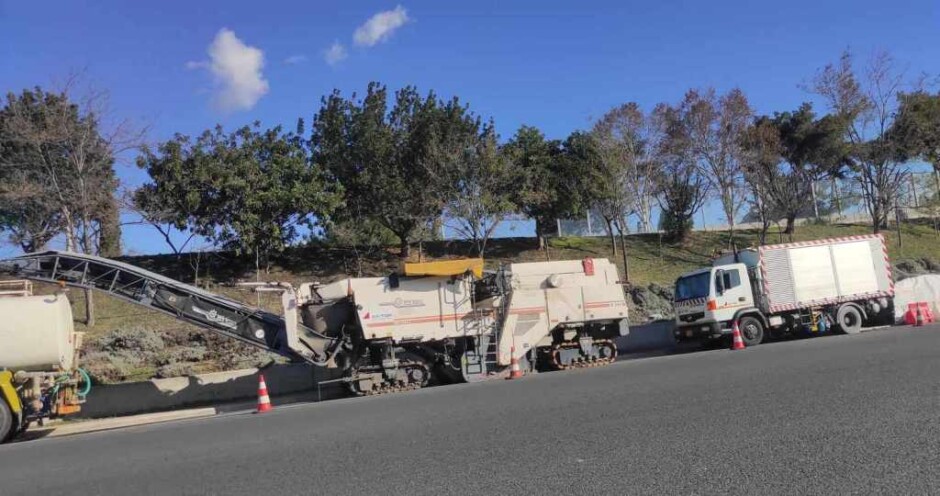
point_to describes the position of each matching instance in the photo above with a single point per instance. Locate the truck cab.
(707, 301)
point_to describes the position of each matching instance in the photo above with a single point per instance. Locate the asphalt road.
(847, 414)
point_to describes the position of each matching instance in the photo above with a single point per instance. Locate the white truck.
(839, 284)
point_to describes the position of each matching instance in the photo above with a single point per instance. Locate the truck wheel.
(752, 331)
(849, 319)
(6, 421)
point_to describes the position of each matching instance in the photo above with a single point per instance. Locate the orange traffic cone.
(737, 342)
(514, 371)
(264, 402)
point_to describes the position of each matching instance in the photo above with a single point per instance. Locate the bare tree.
(63, 146)
(681, 189)
(478, 186)
(779, 188)
(160, 217)
(716, 126)
(866, 101)
(626, 135)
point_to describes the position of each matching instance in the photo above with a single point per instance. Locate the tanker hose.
(87, 379)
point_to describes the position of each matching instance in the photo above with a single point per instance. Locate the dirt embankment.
(139, 353)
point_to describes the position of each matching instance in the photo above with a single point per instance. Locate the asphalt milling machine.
(434, 322)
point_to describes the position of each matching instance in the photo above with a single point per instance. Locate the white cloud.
(237, 70)
(295, 59)
(380, 26)
(335, 54)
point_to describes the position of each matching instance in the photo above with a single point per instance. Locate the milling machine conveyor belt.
(188, 303)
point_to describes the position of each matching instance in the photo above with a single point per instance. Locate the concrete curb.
(80, 426)
(69, 428)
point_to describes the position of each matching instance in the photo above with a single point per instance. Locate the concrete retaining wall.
(653, 336)
(205, 389)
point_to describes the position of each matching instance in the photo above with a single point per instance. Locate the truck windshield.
(696, 286)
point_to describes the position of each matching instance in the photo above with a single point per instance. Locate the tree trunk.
(791, 224)
(404, 248)
(835, 197)
(257, 276)
(812, 187)
(623, 251)
(764, 227)
(539, 234)
(876, 217)
(89, 308)
(936, 177)
(610, 231)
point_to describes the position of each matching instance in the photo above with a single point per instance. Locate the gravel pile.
(915, 267)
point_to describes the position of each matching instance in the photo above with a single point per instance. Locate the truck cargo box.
(824, 272)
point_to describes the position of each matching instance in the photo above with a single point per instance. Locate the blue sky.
(555, 65)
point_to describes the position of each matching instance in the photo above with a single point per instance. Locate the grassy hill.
(129, 343)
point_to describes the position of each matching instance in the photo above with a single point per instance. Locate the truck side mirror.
(719, 282)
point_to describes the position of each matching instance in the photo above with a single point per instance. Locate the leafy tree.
(387, 159)
(535, 160)
(479, 185)
(57, 171)
(917, 129)
(249, 191)
(815, 150)
(866, 102)
(549, 177)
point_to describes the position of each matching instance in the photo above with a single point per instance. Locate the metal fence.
(839, 201)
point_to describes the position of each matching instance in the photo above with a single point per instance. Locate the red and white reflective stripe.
(817, 242)
(691, 302)
(888, 269)
(763, 272)
(827, 301)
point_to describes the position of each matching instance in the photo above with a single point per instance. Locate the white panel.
(855, 268)
(812, 273)
(564, 305)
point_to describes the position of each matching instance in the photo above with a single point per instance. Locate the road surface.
(827, 415)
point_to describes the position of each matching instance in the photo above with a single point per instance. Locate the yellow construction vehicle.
(39, 379)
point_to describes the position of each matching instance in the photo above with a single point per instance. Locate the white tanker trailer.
(38, 375)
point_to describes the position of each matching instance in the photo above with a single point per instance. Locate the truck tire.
(752, 331)
(6, 422)
(848, 320)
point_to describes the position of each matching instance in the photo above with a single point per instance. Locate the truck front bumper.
(703, 330)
